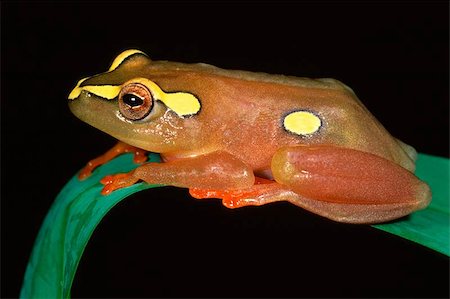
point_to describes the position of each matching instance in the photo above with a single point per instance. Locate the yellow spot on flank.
(121, 57)
(302, 123)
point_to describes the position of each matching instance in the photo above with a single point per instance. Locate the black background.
(163, 243)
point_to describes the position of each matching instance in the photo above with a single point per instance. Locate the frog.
(249, 139)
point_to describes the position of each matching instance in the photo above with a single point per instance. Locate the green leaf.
(80, 207)
(429, 227)
(69, 224)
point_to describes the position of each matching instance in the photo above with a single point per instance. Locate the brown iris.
(135, 101)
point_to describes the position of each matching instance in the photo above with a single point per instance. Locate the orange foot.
(117, 181)
(120, 148)
(237, 198)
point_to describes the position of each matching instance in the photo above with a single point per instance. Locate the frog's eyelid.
(150, 115)
(122, 57)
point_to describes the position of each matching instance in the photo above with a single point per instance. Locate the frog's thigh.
(348, 185)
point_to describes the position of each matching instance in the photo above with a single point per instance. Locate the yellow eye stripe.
(77, 90)
(302, 123)
(105, 91)
(122, 56)
(182, 103)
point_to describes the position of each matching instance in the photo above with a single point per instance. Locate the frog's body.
(219, 129)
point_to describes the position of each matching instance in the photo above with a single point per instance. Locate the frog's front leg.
(348, 185)
(118, 149)
(217, 170)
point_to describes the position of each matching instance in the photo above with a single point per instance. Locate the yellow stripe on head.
(122, 56)
(302, 123)
(77, 90)
(182, 103)
(105, 91)
(108, 92)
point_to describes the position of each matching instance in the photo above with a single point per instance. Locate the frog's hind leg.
(348, 185)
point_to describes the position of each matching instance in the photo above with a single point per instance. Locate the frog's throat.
(182, 103)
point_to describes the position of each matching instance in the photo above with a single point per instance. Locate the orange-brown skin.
(238, 135)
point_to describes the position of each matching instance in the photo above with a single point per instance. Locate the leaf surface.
(80, 207)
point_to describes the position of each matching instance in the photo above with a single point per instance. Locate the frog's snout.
(75, 93)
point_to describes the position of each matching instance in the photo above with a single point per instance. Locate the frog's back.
(243, 109)
(169, 67)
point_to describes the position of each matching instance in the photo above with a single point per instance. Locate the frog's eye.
(135, 101)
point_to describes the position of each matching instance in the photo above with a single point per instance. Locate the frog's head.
(126, 104)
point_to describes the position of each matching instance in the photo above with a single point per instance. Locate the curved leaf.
(79, 208)
(69, 224)
(429, 227)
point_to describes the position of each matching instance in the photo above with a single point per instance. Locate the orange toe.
(234, 198)
(117, 181)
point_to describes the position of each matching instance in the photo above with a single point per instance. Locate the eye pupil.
(132, 100)
(135, 101)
